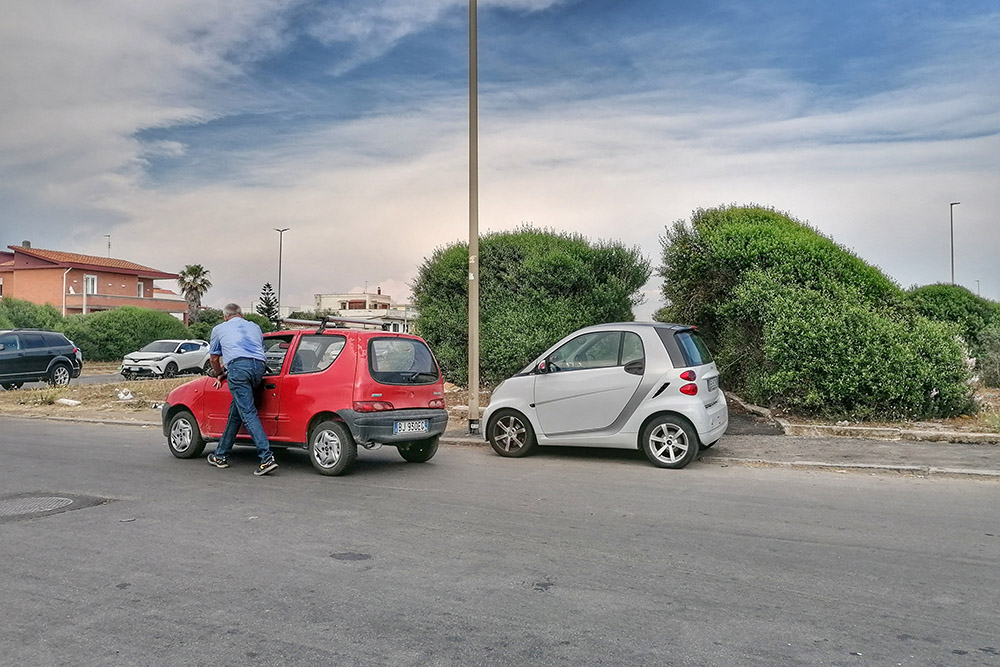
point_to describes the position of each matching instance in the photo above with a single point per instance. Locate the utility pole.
(281, 237)
(951, 210)
(473, 222)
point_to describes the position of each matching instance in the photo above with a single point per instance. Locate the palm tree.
(193, 282)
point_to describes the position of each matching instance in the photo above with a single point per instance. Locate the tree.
(800, 323)
(194, 282)
(268, 305)
(535, 287)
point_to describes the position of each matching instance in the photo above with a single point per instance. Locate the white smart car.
(631, 385)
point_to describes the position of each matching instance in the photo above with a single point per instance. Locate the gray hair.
(232, 310)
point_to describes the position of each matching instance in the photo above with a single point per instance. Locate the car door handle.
(270, 385)
(637, 367)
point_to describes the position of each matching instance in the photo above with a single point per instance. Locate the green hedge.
(19, 314)
(535, 287)
(800, 323)
(109, 335)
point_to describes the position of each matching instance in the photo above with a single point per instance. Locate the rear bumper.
(378, 426)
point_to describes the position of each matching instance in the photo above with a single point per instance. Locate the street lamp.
(951, 210)
(978, 293)
(281, 237)
(473, 221)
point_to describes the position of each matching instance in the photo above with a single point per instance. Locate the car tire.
(11, 386)
(170, 370)
(184, 437)
(332, 449)
(59, 375)
(420, 451)
(669, 442)
(510, 434)
(207, 368)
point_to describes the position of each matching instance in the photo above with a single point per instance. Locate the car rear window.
(401, 361)
(695, 352)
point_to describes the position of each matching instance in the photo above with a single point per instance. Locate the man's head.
(231, 310)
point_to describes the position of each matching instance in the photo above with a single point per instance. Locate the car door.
(36, 354)
(189, 356)
(12, 360)
(589, 381)
(267, 397)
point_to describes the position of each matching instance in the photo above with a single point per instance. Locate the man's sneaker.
(218, 461)
(265, 467)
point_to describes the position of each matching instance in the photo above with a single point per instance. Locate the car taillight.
(436, 404)
(372, 406)
(688, 376)
(689, 389)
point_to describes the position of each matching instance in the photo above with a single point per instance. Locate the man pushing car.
(237, 356)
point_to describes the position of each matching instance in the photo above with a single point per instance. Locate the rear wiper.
(416, 375)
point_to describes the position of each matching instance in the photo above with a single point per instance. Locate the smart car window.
(696, 353)
(316, 353)
(593, 350)
(401, 361)
(632, 348)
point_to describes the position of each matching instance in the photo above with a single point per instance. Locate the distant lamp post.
(951, 210)
(108, 237)
(473, 219)
(977, 288)
(281, 237)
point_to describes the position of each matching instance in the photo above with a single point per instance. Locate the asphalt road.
(568, 557)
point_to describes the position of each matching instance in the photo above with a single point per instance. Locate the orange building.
(82, 283)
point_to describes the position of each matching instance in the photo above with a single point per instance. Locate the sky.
(187, 131)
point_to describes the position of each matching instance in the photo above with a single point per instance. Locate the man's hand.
(219, 379)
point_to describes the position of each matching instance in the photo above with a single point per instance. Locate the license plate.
(134, 369)
(413, 426)
(713, 383)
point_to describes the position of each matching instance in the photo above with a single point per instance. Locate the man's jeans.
(244, 376)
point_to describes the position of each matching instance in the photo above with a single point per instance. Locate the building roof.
(78, 260)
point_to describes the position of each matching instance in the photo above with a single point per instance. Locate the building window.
(141, 289)
(90, 284)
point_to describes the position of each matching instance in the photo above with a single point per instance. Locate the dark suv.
(31, 355)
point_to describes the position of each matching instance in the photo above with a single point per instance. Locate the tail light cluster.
(372, 406)
(436, 404)
(691, 389)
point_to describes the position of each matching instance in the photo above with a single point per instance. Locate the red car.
(327, 391)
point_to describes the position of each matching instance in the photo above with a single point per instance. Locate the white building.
(366, 306)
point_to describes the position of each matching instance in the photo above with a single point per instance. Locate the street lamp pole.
(951, 210)
(281, 237)
(473, 222)
(978, 293)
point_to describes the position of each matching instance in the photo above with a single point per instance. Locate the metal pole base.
(473, 427)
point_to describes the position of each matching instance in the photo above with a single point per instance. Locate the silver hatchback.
(629, 385)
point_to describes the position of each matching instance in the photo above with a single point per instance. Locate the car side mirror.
(542, 366)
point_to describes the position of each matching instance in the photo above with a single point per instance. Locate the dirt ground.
(139, 400)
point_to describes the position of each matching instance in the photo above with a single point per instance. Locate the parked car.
(166, 358)
(633, 385)
(34, 355)
(327, 391)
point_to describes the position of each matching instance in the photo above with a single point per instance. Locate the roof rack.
(330, 322)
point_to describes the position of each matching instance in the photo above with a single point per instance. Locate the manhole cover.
(16, 506)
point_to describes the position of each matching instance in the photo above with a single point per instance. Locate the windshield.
(160, 346)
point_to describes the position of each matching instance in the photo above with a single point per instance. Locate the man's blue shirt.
(237, 338)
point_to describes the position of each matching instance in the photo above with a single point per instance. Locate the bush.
(953, 303)
(26, 315)
(535, 287)
(798, 322)
(265, 324)
(109, 335)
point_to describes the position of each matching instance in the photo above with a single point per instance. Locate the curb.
(88, 420)
(921, 471)
(883, 433)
